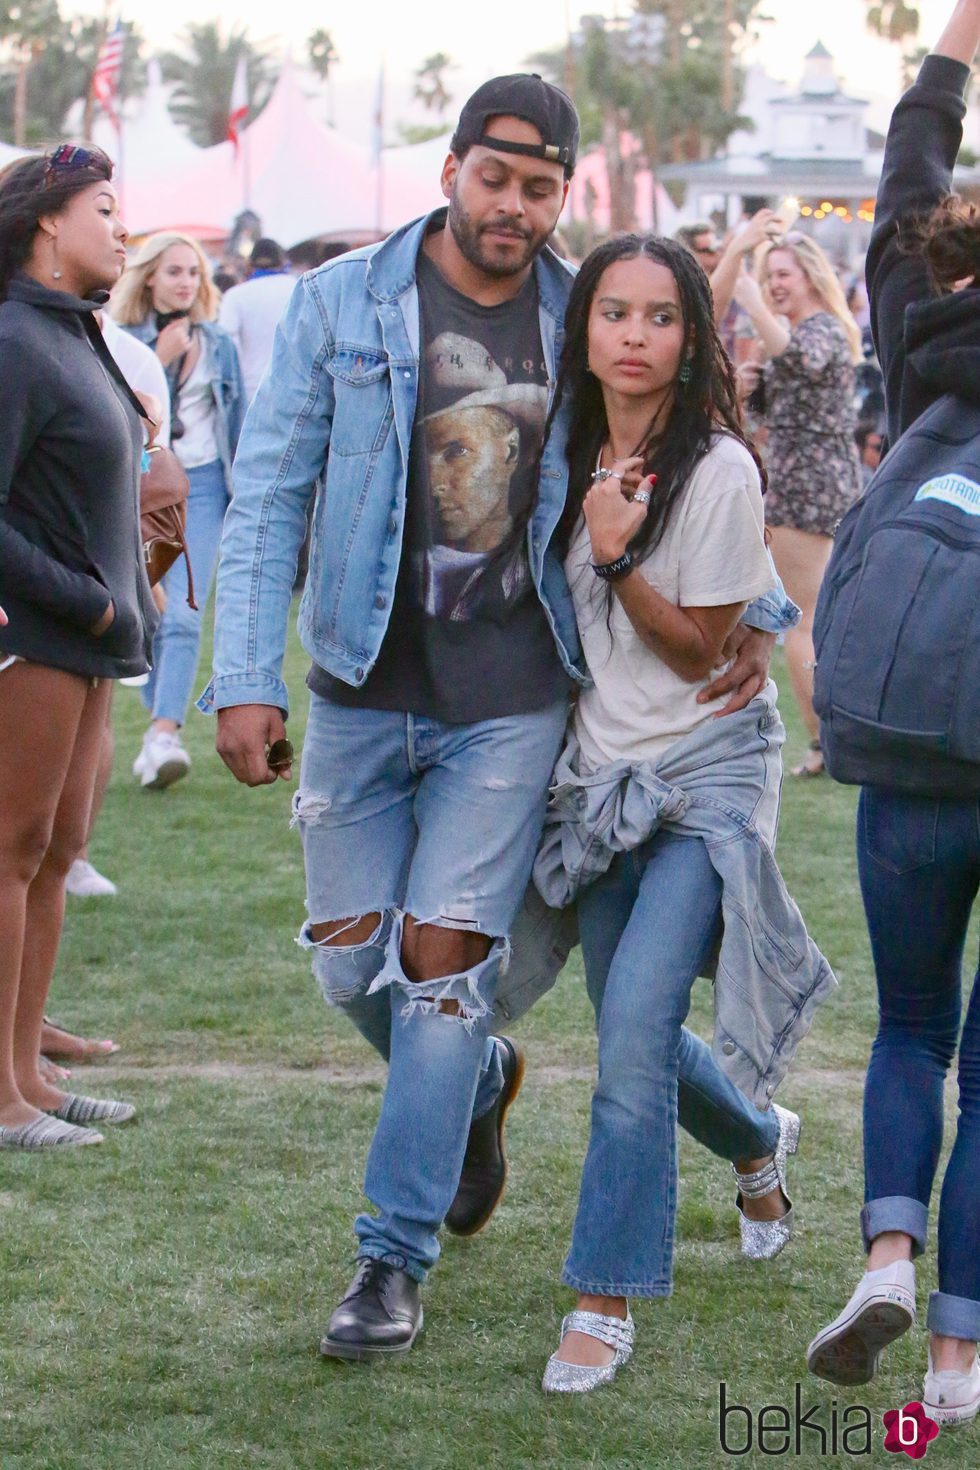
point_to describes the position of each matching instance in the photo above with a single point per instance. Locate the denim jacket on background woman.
(335, 413)
(226, 384)
(719, 783)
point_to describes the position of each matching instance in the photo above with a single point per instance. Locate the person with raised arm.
(898, 694)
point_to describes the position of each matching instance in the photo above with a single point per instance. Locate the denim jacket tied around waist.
(226, 384)
(720, 783)
(332, 422)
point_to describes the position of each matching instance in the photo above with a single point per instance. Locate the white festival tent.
(151, 142)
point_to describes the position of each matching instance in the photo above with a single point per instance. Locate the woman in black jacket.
(72, 583)
(919, 811)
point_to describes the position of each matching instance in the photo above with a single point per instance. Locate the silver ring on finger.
(642, 497)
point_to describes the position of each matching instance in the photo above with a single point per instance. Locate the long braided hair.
(704, 404)
(30, 188)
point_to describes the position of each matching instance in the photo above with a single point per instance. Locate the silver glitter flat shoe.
(84, 1111)
(615, 1332)
(762, 1240)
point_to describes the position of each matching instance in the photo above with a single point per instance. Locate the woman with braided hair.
(663, 810)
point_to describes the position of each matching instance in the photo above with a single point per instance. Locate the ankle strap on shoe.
(763, 1181)
(615, 1332)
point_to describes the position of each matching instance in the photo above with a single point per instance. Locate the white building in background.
(813, 145)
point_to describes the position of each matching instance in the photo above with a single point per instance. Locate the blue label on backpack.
(954, 490)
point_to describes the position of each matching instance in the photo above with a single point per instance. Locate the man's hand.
(752, 652)
(245, 733)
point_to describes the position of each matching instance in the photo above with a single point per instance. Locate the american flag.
(105, 78)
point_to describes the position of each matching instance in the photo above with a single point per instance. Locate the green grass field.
(162, 1296)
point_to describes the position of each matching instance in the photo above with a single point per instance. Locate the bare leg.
(104, 771)
(579, 1347)
(801, 560)
(40, 714)
(46, 897)
(947, 1352)
(428, 950)
(56, 1042)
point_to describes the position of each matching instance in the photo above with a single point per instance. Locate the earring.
(684, 376)
(54, 251)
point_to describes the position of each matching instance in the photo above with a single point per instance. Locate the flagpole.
(238, 127)
(379, 120)
(120, 165)
(246, 175)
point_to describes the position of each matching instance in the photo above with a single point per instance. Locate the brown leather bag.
(164, 489)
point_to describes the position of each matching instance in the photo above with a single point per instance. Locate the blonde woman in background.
(812, 343)
(167, 299)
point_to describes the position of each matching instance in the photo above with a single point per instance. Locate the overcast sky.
(498, 37)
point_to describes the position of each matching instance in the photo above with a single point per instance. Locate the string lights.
(825, 208)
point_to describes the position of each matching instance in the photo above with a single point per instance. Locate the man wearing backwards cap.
(408, 387)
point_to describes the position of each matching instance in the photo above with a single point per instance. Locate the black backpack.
(897, 627)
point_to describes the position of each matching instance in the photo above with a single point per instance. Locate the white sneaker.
(162, 761)
(950, 1397)
(85, 881)
(882, 1308)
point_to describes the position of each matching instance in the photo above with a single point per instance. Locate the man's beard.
(471, 246)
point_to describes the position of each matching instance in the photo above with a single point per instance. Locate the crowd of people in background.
(627, 482)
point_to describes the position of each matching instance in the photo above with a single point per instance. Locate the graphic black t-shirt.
(468, 638)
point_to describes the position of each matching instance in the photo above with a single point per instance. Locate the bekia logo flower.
(909, 1431)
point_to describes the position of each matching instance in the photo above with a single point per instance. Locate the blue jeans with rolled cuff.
(919, 865)
(648, 926)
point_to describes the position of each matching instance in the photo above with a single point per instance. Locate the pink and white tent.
(301, 178)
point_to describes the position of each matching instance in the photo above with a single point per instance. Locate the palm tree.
(430, 83)
(28, 26)
(204, 71)
(322, 55)
(893, 19)
(898, 22)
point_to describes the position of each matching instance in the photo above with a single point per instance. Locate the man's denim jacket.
(720, 783)
(226, 384)
(334, 414)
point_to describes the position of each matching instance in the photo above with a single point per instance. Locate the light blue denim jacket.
(334, 415)
(720, 783)
(226, 384)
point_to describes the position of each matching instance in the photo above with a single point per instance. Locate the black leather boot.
(380, 1316)
(481, 1183)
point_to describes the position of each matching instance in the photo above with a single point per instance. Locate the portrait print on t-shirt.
(480, 437)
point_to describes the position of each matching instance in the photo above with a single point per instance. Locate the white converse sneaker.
(162, 761)
(882, 1308)
(85, 881)
(950, 1397)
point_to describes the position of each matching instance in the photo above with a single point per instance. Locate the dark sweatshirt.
(70, 450)
(928, 345)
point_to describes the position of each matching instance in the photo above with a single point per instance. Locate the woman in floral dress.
(813, 343)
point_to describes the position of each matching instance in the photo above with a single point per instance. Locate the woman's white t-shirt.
(197, 409)
(713, 553)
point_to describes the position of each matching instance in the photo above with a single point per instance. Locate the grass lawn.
(162, 1296)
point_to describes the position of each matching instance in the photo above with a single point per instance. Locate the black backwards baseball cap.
(525, 95)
